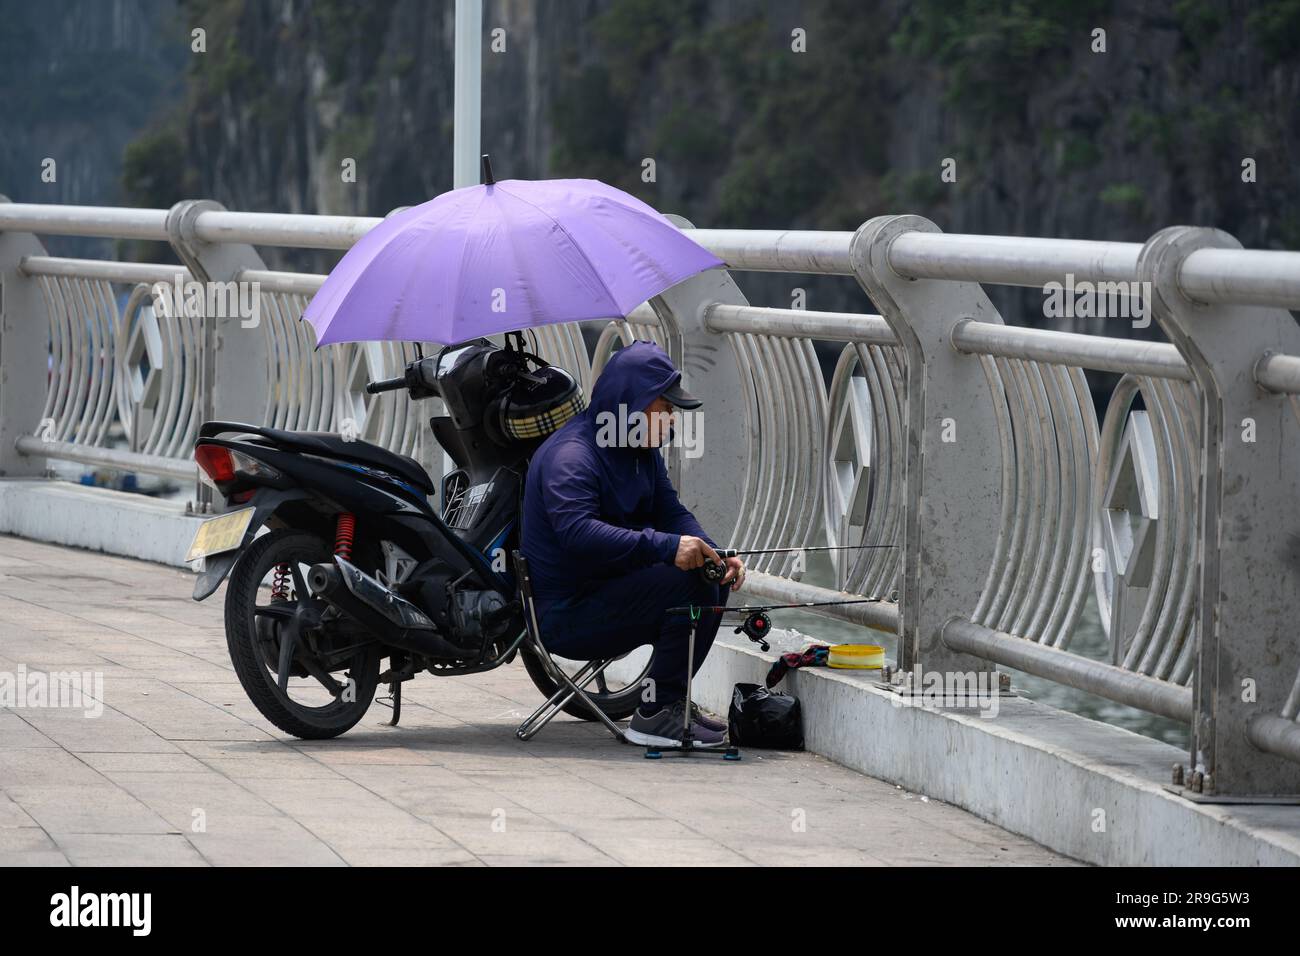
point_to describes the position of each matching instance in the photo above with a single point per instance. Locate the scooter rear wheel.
(267, 632)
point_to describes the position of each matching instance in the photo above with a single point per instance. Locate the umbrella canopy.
(500, 257)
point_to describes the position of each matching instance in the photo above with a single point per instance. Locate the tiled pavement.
(180, 769)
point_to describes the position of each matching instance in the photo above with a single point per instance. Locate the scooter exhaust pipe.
(388, 615)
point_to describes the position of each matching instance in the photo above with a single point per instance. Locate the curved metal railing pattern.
(862, 487)
(84, 330)
(160, 371)
(616, 334)
(303, 381)
(1048, 434)
(1162, 642)
(786, 412)
(563, 345)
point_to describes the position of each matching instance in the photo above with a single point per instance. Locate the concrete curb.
(98, 519)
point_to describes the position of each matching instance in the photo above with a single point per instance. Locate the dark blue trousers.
(617, 615)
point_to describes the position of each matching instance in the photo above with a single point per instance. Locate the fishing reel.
(756, 626)
(713, 573)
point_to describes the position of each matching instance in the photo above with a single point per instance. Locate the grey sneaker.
(665, 729)
(704, 720)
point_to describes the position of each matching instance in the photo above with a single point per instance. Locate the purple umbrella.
(501, 257)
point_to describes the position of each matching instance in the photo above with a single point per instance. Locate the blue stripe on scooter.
(499, 540)
(384, 475)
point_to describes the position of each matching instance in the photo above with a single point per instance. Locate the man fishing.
(611, 547)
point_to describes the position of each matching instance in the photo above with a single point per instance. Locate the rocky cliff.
(80, 80)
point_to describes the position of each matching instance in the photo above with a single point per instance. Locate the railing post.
(952, 474)
(234, 351)
(1248, 549)
(24, 353)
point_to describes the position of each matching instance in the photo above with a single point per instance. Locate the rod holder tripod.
(688, 747)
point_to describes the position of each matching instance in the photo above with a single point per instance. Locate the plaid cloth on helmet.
(543, 423)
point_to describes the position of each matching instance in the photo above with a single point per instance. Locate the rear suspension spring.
(280, 583)
(343, 534)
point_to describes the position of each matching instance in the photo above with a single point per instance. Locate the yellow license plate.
(222, 533)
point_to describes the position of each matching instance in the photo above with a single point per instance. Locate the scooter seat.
(360, 452)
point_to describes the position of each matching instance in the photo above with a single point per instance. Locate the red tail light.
(216, 462)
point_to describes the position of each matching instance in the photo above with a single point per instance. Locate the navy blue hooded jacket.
(599, 512)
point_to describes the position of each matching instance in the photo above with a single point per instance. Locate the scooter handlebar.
(420, 376)
(386, 385)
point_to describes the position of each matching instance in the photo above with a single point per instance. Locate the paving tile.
(109, 763)
(29, 846)
(18, 734)
(87, 809)
(13, 816)
(106, 849)
(652, 851)
(263, 841)
(182, 797)
(524, 845)
(409, 856)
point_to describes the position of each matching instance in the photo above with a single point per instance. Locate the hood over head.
(634, 377)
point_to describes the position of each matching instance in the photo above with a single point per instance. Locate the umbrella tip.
(488, 178)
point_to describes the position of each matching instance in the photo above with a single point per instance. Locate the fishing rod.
(757, 624)
(695, 609)
(714, 573)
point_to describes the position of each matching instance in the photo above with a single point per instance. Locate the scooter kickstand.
(393, 700)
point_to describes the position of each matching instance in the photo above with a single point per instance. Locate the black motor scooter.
(356, 565)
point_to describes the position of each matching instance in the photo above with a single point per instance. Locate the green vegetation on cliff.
(1046, 134)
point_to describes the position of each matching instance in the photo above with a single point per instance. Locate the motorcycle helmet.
(540, 402)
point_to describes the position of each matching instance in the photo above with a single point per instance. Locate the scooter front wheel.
(300, 678)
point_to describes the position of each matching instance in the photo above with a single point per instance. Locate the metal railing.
(973, 445)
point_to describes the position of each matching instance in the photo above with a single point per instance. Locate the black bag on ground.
(760, 717)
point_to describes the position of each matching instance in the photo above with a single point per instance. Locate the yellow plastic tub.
(862, 657)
